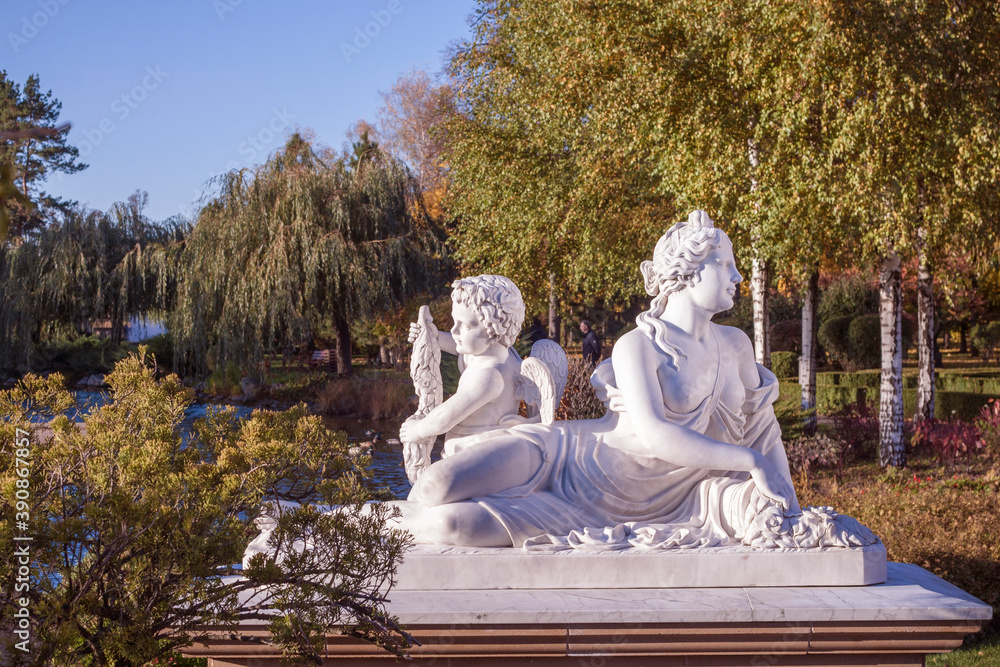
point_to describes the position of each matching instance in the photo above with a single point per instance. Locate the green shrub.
(976, 384)
(864, 341)
(986, 338)
(785, 364)
(848, 296)
(162, 349)
(76, 356)
(833, 337)
(156, 517)
(225, 381)
(831, 399)
(948, 404)
(855, 343)
(828, 378)
(786, 336)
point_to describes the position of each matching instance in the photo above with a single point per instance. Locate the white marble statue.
(689, 453)
(487, 312)
(425, 370)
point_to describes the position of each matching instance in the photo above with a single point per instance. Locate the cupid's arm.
(445, 340)
(476, 388)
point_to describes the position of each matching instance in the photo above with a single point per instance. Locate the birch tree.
(916, 122)
(551, 178)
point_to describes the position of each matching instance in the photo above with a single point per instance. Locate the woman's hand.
(771, 483)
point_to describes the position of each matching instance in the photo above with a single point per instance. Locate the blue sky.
(164, 95)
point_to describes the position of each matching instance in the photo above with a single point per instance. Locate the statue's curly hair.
(497, 302)
(676, 259)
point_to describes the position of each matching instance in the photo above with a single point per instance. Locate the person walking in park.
(591, 343)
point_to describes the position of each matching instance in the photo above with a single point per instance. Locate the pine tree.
(37, 147)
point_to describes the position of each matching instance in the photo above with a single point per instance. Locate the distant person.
(591, 343)
(536, 332)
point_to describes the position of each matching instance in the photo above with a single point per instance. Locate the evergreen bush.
(833, 337)
(848, 295)
(134, 523)
(786, 336)
(785, 364)
(986, 339)
(864, 342)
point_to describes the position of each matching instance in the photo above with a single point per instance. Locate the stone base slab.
(893, 624)
(460, 568)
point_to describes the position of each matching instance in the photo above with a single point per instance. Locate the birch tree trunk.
(553, 309)
(761, 322)
(807, 362)
(759, 278)
(890, 415)
(925, 337)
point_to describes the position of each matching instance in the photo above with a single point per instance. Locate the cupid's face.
(470, 336)
(716, 281)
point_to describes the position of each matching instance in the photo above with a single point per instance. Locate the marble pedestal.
(439, 568)
(893, 623)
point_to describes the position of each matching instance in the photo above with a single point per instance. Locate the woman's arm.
(636, 361)
(737, 340)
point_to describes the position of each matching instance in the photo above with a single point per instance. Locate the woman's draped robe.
(590, 495)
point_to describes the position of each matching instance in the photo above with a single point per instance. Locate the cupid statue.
(487, 312)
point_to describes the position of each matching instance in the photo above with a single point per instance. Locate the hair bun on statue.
(698, 219)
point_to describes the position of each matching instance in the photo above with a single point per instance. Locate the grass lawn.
(974, 653)
(942, 518)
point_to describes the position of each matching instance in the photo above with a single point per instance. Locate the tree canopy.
(33, 155)
(75, 271)
(295, 244)
(545, 180)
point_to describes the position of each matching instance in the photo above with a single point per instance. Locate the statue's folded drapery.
(590, 495)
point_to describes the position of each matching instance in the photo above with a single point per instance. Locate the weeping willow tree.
(298, 244)
(77, 270)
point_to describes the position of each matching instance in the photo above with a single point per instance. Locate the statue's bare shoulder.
(737, 348)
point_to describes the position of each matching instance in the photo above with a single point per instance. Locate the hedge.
(964, 405)
(785, 364)
(972, 382)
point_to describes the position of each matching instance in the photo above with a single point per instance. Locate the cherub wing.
(544, 379)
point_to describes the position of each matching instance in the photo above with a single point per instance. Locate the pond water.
(387, 458)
